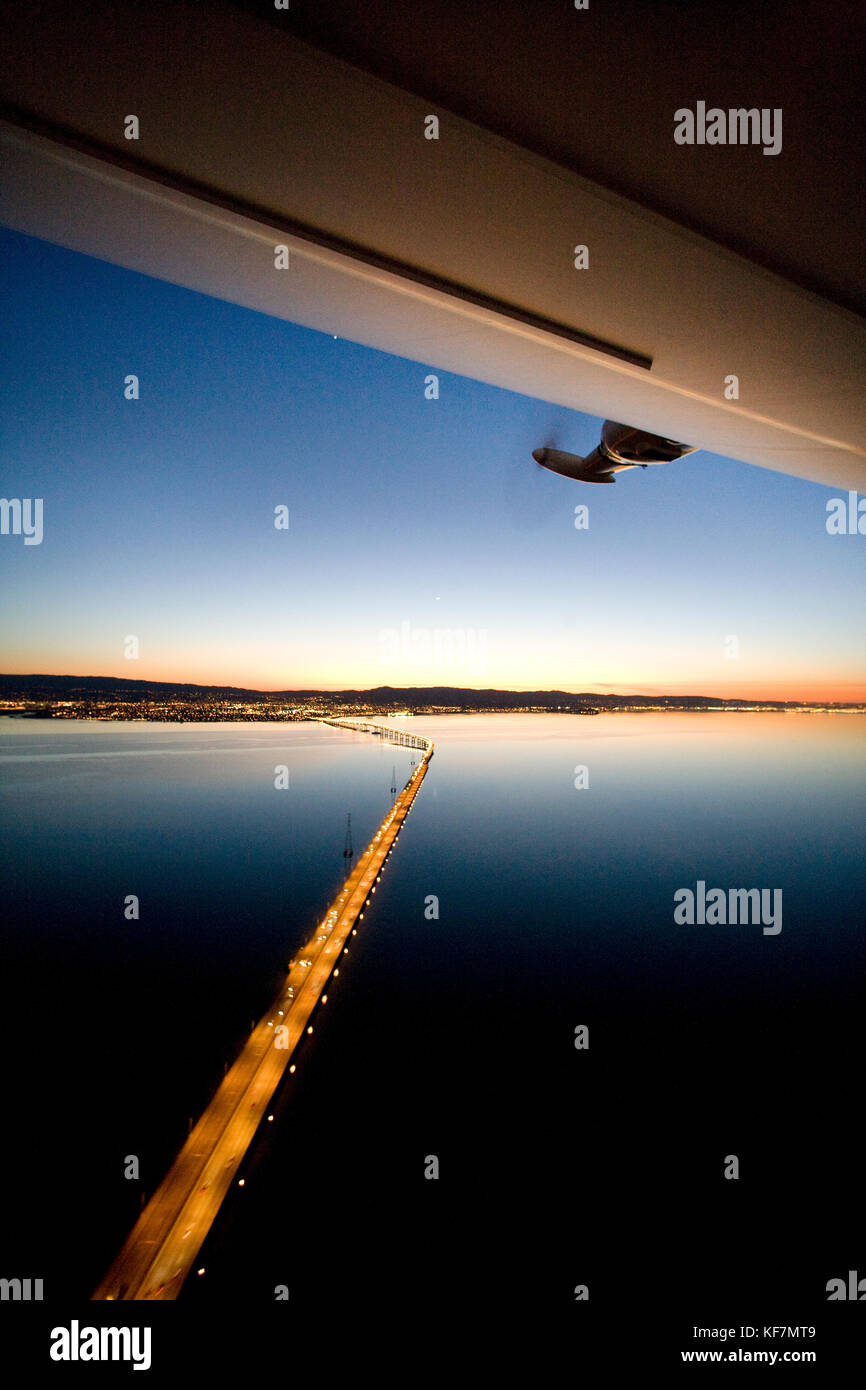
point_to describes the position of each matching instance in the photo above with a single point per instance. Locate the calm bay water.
(453, 1035)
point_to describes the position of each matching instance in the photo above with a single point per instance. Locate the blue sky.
(408, 517)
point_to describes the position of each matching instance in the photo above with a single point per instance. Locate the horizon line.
(421, 689)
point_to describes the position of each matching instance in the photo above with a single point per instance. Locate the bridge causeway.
(364, 726)
(163, 1245)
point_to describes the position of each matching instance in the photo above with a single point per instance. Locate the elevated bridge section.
(163, 1245)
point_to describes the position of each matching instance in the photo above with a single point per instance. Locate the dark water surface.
(453, 1036)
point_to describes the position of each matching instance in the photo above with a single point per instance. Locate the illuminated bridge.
(364, 726)
(164, 1243)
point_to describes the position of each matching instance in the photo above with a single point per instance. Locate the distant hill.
(120, 689)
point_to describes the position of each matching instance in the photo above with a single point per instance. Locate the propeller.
(552, 437)
(525, 506)
(526, 501)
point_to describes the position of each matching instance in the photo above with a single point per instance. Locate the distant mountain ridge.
(119, 688)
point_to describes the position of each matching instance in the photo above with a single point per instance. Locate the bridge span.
(164, 1242)
(386, 732)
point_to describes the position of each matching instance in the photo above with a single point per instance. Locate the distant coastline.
(116, 698)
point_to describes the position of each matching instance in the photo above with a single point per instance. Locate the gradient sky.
(407, 516)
